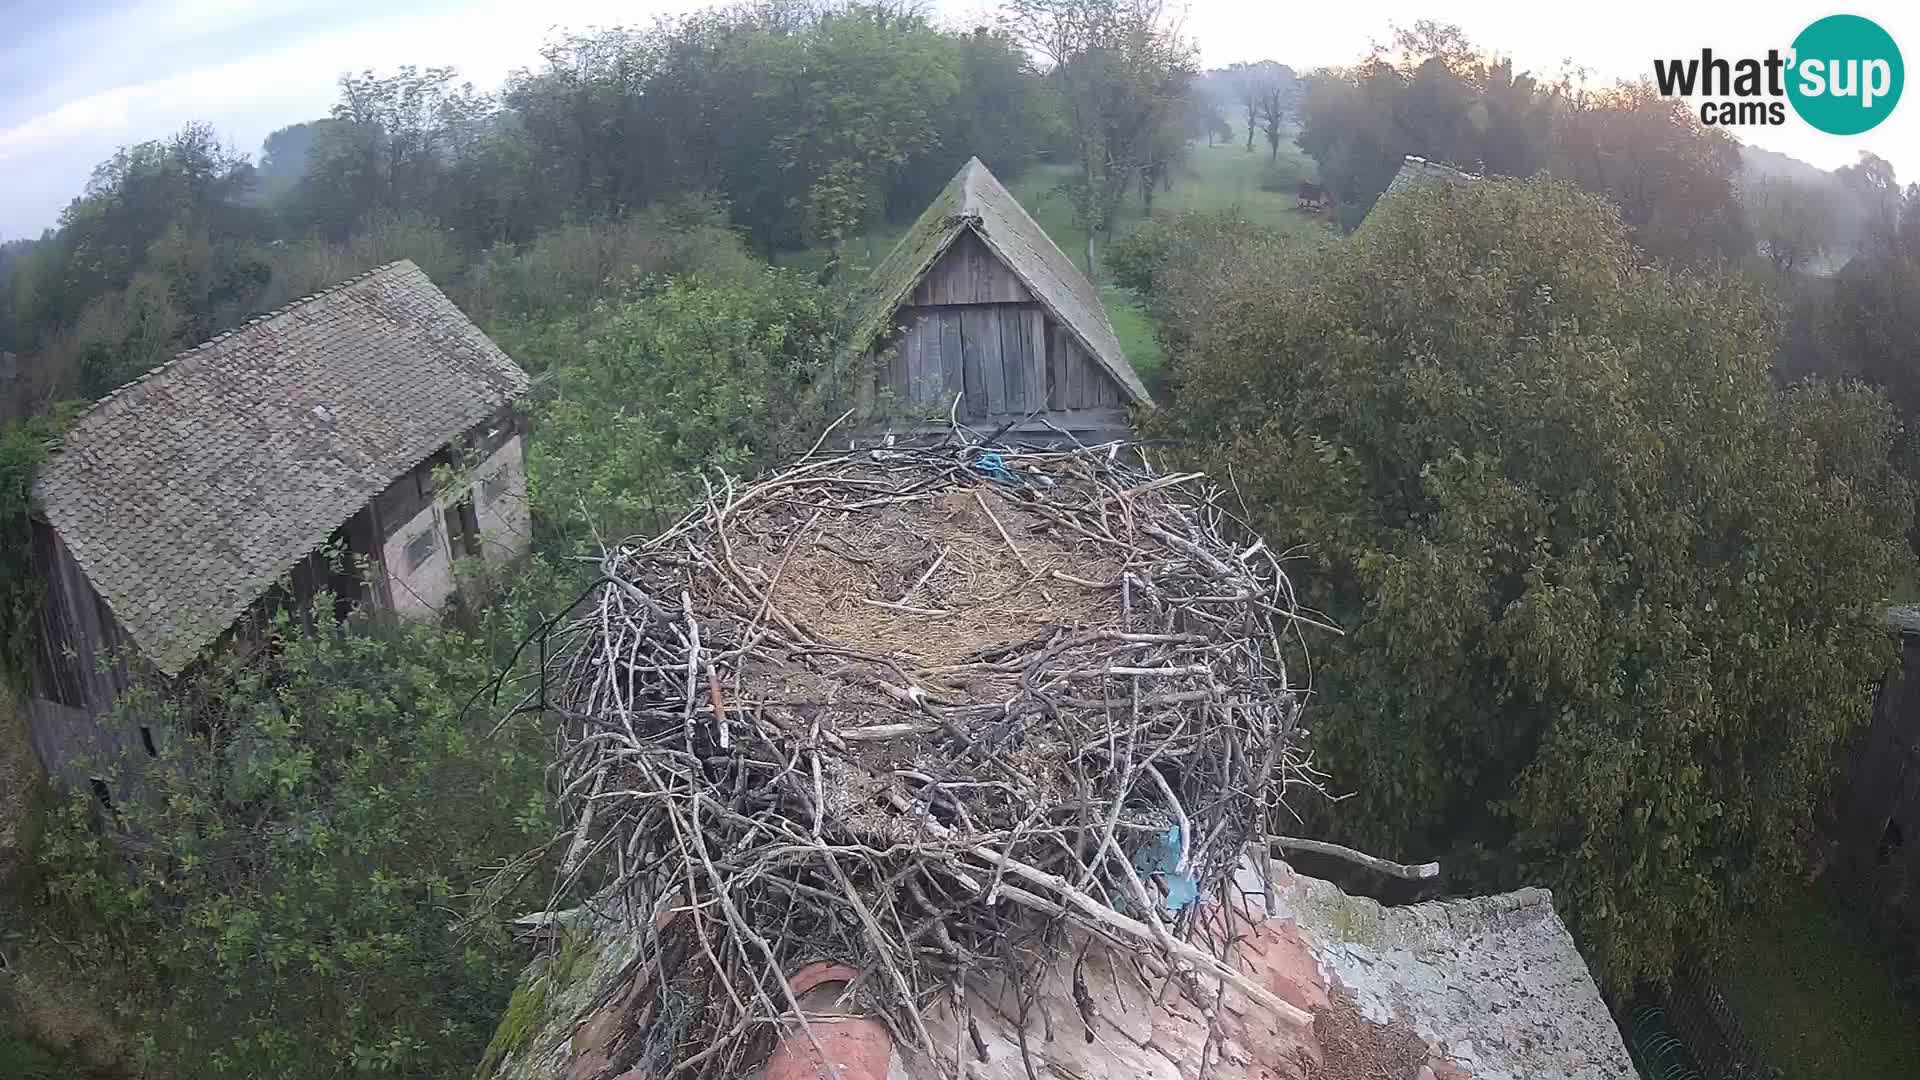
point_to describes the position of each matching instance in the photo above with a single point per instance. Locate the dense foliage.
(1610, 600)
(1873, 326)
(1431, 93)
(1120, 76)
(20, 454)
(294, 893)
(308, 843)
(802, 123)
(1175, 265)
(23, 446)
(689, 379)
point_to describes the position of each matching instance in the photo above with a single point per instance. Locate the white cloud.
(108, 111)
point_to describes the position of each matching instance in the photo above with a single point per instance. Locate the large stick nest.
(922, 712)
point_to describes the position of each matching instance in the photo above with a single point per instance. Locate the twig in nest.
(1011, 546)
(1410, 872)
(851, 803)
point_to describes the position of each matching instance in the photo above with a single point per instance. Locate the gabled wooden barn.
(357, 442)
(977, 303)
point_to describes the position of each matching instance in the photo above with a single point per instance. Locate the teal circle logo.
(1846, 75)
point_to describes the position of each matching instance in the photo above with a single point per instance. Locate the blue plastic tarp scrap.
(1161, 860)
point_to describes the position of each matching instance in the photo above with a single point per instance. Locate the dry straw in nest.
(930, 713)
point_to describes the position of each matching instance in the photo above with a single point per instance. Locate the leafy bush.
(695, 377)
(568, 270)
(1610, 600)
(25, 1061)
(20, 455)
(23, 446)
(303, 267)
(1177, 264)
(289, 894)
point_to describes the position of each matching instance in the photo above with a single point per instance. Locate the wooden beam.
(982, 336)
(1010, 326)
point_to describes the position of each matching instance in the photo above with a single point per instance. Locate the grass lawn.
(1811, 985)
(1215, 178)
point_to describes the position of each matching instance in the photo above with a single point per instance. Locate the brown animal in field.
(1313, 197)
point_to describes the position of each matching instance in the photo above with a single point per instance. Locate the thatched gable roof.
(184, 494)
(975, 200)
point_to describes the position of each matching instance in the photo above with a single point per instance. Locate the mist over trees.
(1431, 93)
(806, 124)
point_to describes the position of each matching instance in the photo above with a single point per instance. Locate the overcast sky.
(80, 78)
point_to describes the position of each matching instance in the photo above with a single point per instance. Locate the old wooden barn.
(358, 442)
(976, 313)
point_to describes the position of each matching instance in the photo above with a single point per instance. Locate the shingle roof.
(1417, 170)
(975, 200)
(184, 494)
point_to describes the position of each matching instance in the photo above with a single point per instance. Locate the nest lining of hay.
(919, 711)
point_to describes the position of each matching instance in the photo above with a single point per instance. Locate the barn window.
(420, 549)
(146, 740)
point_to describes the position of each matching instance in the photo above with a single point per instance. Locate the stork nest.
(927, 713)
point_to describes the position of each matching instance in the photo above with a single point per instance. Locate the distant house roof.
(1417, 170)
(184, 494)
(975, 200)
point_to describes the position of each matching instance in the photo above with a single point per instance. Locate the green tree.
(390, 146)
(1265, 91)
(1347, 126)
(1672, 178)
(1120, 71)
(283, 157)
(1871, 180)
(853, 103)
(1872, 328)
(1427, 92)
(1610, 600)
(691, 378)
(1001, 114)
(23, 446)
(1792, 222)
(290, 892)
(122, 334)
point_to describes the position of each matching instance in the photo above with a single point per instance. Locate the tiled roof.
(975, 200)
(184, 494)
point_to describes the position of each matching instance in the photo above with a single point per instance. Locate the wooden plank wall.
(969, 273)
(80, 659)
(1001, 358)
(81, 666)
(972, 329)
